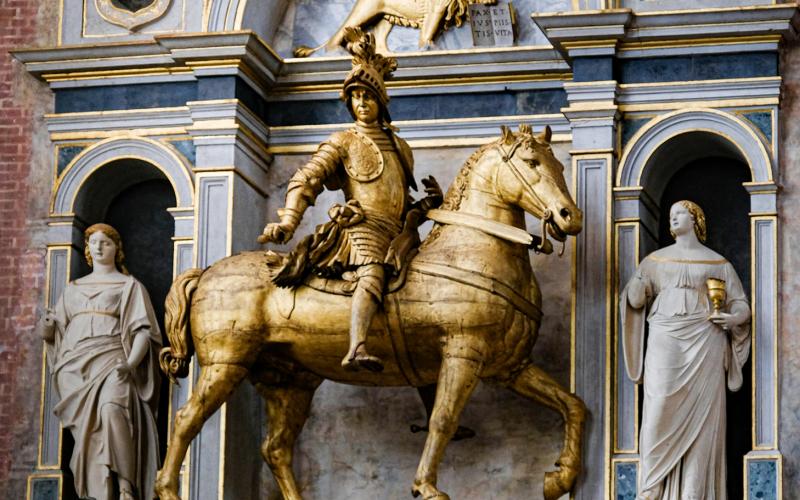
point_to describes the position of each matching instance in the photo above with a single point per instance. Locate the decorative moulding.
(177, 57)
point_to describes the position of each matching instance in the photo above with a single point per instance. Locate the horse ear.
(508, 135)
(545, 136)
(524, 128)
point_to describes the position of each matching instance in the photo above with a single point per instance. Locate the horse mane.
(455, 193)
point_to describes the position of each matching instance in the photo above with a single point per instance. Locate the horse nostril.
(565, 214)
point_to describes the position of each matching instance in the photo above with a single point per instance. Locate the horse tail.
(174, 360)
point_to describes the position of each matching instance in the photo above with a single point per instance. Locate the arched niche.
(661, 149)
(725, 134)
(136, 151)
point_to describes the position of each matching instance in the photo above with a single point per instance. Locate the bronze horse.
(470, 309)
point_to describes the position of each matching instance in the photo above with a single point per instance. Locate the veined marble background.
(313, 22)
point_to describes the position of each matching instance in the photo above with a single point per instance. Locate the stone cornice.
(718, 30)
(164, 56)
(619, 33)
(177, 57)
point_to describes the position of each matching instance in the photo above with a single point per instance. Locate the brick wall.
(24, 187)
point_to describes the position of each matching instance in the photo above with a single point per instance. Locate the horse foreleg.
(363, 12)
(432, 23)
(215, 384)
(287, 411)
(537, 385)
(458, 378)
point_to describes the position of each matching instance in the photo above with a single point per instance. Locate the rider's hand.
(433, 192)
(277, 232)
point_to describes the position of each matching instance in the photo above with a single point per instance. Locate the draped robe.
(688, 360)
(111, 416)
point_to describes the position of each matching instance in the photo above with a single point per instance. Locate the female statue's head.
(683, 208)
(104, 244)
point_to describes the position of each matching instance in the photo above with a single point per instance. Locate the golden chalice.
(716, 293)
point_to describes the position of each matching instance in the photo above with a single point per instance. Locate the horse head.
(531, 177)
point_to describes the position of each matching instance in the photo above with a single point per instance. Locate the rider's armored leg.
(366, 299)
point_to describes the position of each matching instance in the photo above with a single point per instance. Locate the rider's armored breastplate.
(361, 157)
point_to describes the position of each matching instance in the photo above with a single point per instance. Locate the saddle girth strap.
(474, 279)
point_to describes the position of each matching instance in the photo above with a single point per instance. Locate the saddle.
(310, 263)
(343, 285)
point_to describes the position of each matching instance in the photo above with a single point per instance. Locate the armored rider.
(369, 235)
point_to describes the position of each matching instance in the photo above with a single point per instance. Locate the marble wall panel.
(45, 488)
(698, 67)
(789, 298)
(357, 443)
(425, 107)
(625, 482)
(146, 95)
(762, 122)
(761, 480)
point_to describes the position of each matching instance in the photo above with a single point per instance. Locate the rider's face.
(365, 105)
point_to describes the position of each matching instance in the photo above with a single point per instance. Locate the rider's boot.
(365, 305)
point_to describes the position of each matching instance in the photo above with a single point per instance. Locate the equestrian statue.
(361, 301)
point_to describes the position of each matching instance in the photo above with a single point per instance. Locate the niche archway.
(145, 189)
(692, 153)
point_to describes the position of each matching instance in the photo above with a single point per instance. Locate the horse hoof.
(556, 484)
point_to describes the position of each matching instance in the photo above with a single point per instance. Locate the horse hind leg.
(288, 406)
(533, 383)
(215, 384)
(458, 378)
(427, 393)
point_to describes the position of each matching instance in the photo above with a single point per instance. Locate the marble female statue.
(691, 353)
(103, 342)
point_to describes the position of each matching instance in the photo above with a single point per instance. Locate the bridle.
(546, 214)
